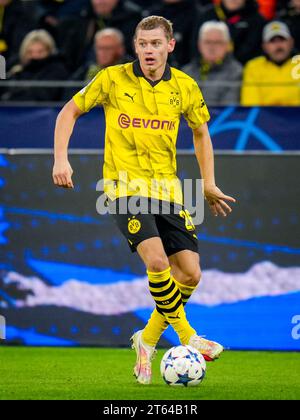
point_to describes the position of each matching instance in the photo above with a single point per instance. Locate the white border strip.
(36, 151)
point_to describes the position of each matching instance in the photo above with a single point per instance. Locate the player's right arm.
(95, 93)
(197, 116)
(66, 119)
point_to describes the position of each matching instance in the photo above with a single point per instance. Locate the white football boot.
(210, 350)
(144, 356)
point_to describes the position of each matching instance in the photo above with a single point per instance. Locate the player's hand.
(217, 201)
(62, 174)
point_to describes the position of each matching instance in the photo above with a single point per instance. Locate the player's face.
(152, 48)
(213, 47)
(278, 48)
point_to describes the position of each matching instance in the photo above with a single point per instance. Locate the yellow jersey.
(142, 120)
(268, 84)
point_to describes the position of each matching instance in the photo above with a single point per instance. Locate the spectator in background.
(109, 50)
(291, 16)
(14, 24)
(268, 80)
(216, 65)
(53, 12)
(76, 34)
(244, 22)
(38, 62)
(66, 21)
(183, 15)
(120, 14)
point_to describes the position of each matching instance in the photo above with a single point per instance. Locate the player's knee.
(196, 278)
(192, 278)
(158, 263)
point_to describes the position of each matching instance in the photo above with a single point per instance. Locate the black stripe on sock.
(165, 292)
(165, 310)
(158, 285)
(159, 310)
(170, 300)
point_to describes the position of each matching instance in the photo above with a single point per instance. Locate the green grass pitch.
(90, 373)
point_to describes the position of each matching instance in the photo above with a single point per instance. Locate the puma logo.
(129, 96)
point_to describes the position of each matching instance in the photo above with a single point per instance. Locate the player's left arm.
(217, 200)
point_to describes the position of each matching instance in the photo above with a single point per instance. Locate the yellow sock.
(167, 296)
(157, 323)
(186, 291)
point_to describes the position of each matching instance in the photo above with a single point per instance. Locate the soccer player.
(143, 103)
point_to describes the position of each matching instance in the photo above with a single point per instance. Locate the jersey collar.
(137, 70)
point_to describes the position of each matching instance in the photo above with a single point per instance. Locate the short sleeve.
(95, 93)
(196, 112)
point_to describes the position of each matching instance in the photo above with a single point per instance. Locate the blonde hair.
(154, 22)
(217, 26)
(39, 35)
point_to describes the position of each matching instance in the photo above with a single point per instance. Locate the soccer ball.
(183, 366)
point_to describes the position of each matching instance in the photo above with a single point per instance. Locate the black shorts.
(176, 228)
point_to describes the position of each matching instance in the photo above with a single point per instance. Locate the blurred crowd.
(238, 51)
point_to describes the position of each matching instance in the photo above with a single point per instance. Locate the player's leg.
(163, 287)
(168, 301)
(181, 245)
(186, 272)
(178, 238)
(185, 266)
(142, 233)
(186, 269)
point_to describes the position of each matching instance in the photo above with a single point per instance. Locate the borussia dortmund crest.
(134, 225)
(174, 99)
